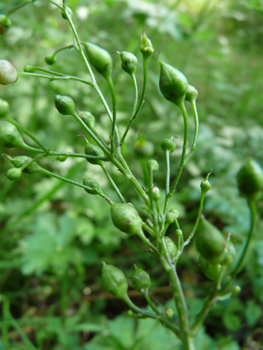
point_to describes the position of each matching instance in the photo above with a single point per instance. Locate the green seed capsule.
(175, 212)
(141, 280)
(153, 164)
(169, 313)
(93, 184)
(126, 218)
(99, 58)
(10, 136)
(4, 107)
(205, 186)
(5, 23)
(93, 150)
(171, 248)
(229, 255)
(113, 281)
(210, 242)
(13, 174)
(236, 289)
(168, 145)
(146, 46)
(62, 158)
(173, 84)
(178, 233)
(250, 179)
(69, 11)
(156, 193)
(20, 161)
(8, 73)
(191, 94)
(65, 105)
(211, 271)
(143, 148)
(170, 217)
(129, 62)
(88, 118)
(50, 59)
(130, 313)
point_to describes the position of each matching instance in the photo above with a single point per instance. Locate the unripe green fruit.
(210, 242)
(65, 105)
(93, 150)
(62, 158)
(129, 62)
(4, 107)
(93, 184)
(229, 254)
(5, 23)
(168, 145)
(10, 136)
(126, 218)
(13, 173)
(175, 212)
(178, 233)
(156, 193)
(69, 11)
(153, 164)
(141, 281)
(88, 118)
(236, 289)
(171, 248)
(205, 186)
(20, 161)
(211, 271)
(170, 217)
(169, 313)
(146, 46)
(173, 84)
(113, 281)
(50, 59)
(191, 93)
(99, 58)
(8, 73)
(130, 313)
(28, 68)
(143, 148)
(250, 179)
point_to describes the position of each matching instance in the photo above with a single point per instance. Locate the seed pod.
(156, 193)
(146, 46)
(236, 289)
(4, 107)
(168, 145)
(10, 136)
(129, 62)
(211, 271)
(170, 217)
(99, 58)
(8, 73)
(126, 218)
(229, 255)
(65, 105)
(178, 233)
(169, 313)
(141, 281)
(173, 84)
(20, 161)
(69, 11)
(175, 212)
(210, 242)
(191, 93)
(88, 118)
(93, 150)
(93, 184)
(50, 59)
(205, 186)
(62, 158)
(113, 281)
(143, 148)
(171, 248)
(153, 164)
(13, 174)
(5, 23)
(250, 179)
(130, 313)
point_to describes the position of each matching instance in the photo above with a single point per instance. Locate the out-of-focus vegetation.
(54, 236)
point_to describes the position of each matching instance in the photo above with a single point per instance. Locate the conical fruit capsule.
(191, 93)
(88, 118)
(114, 281)
(210, 242)
(10, 136)
(99, 58)
(171, 248)
(168, 145)
(153, 164)
(250, 179)
(129, 62)
(211, 271)
(93, 150)
(5, 23)
(65, 105)
(93, 184)
(50, 59)
(126, 218)
(4, 107)
(20, 161)
(173, 84)
(13, 174)
(146, 46)
(141, 281)
(8, 73)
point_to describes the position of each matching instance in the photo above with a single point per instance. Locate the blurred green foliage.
(54, 236)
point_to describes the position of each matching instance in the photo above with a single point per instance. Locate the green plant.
(175, 88)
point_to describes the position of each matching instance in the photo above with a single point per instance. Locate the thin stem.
(114, 133)
(28, 133)
(182, 162)
(63, 48)
(111, 181)
(76, 155)
(145, 76)
(148, 229)
(134, 108)
(18, 7)
(167, 161)
(194, 145)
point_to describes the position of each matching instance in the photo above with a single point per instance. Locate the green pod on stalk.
(13, 174)
(171, 248)
(146, 46)
(211, 271)
(8, 73)
(99, 58)
(141, 281)
(126, 218)
(5, 23)
(129, 62)
(94, 150)
(20, 161)
(65, 105)
(113, 281)
(10, 136)
(4, 107)
(191, 93)
(93, 184)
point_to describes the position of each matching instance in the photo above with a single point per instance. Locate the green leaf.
(253, 312)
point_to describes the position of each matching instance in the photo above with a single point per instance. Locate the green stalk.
(167, 160)
(19, 7)
(194, 145)
(55, 77)
(114, 133)
(113, 184)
